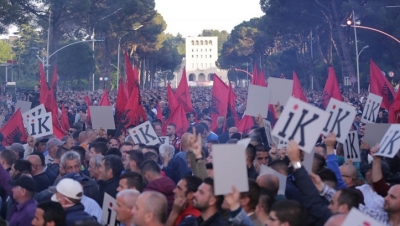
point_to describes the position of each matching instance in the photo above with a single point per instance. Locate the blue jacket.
(177, 168)
(76, 213)
(332, 164)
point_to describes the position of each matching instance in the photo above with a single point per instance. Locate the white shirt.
(91, 207)
(371, 199)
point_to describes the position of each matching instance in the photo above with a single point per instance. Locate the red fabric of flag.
(297, 90)
(172, 103)
(261, 79)
(245, 124)
(178, 117)
(231, 111)
(131, 75)
(104, 101)
(331, 89)
(64, 119)
(121, 102)
(44, 90)
(380, 86)
(14, 131)
(254, 80)
(219, 102)
(182, 93)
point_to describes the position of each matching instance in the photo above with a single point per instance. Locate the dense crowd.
(51, 181)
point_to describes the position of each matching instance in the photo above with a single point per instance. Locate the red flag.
(121, 102)
(182, 93)
(219, 103)
(64, 119)
(254, 81)
(172, 102)
(297, 90)
(134, 113)
(261, 79)
(131, 75)
(88, 103)
(54, 81)
(178, 117)
(245, 124)
(14, 131)
(57, 131)
(271, 115)
(159, 113)
(380, 86)
(331, 89)
(105, 101)
(44, 90)
(231, 112)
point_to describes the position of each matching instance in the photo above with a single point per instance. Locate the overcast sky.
(190, 17)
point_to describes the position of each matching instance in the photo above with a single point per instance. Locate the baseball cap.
(54, 142)
(67, 187)
(16, 147)
(24, 182)
(74, 176)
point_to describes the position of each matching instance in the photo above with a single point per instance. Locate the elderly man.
(18, 150)
(126, 200)
(38, 171)
(52, 146)
(150, 209)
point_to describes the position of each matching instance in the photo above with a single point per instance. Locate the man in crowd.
(125, 148)
(130, 180)
(134, 160)
(126, 200)
(150, 209)
(174, 140)
(110, 171)
(94, 165)
(52, 146)
(38, 171)
(49, 213)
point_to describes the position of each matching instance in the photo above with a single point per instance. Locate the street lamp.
(93, 37)
(352, 22)
(358, 65)
(119, 50)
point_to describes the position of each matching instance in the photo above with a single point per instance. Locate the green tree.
(6, 52)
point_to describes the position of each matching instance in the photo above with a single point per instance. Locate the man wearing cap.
(52, 146)
(22, 191)
(18, 149)
(40, 145)
(69, 193)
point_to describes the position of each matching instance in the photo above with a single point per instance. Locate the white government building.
(201, 55)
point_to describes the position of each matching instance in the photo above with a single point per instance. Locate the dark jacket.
(91, 188)
(224, 137)
(42, 182)
(109, 187)
(312, 201)
(252, 173)
(51, 175)
(165, 186)
(215, 220)
(76, 213)
(177, 168)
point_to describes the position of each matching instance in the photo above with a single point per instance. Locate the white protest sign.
(102, 117)
(40, 126)
(164, 140)
(390, 143)
(281, 90)
(144, 134)
(257, 101)
(299, 119)
(356, 218)
(26, 116)
(351, 147)
(341, 116)
(308, 161)
(232, 174)
(371, 109)
(109, 216)
(24, 105)
(244, 142)
(268, 130)
(282, 178)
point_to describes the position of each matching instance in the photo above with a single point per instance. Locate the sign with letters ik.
(371, 108)
(356, 218)
(232, 174)
(301, 122)
(39, 126)
(341, 116)
(390, 143)
(351, 147)
(257, 101)
(144, 134)
(164, 140)
(282, 178)
(109, 216)
(26, 116)
(268, 130)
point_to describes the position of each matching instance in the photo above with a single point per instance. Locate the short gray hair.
(70, 155)
(164, 147)
(129, 196)
(97, 160)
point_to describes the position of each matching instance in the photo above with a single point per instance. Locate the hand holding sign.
(293, 152)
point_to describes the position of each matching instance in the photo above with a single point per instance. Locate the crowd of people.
(51, 181)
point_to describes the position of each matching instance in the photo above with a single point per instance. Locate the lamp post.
(93, 38)
(119, 50)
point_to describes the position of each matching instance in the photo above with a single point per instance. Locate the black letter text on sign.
(351, 147)
(301, 122)
(144, 134)
(41, 125)
(341, 116)
(390, 143)
(371, 108)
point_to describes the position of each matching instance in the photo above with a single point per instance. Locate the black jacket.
(91, 188)
(215, 220)
(75, 214)
(109, 187)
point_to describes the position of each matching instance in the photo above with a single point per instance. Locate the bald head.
(153, 205)
(349, 174)
(185, 141)
(34, 159)
(269, 181)
(129, 196)
(336, 220)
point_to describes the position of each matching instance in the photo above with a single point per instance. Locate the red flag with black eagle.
(121, 102)
(14, 131)
(178, 117)
(261, 79)
(64, 118)
(254, 80)
(231, 111)
(245, 124)
(331, 89)
(172, 103)
(131, 75)
(297, 90)
(380, 86)
(44, 89)
(182, 93)
(219, 102)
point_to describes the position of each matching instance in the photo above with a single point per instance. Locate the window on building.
(197, 42)
(210, 56)
(210, 50)
(197, 65)
(201, 65)
(206, 42)
(192, 56)
(205, 56)
(201, 56)
(201, 50)
(201, 42)
(192, 65)
(197, 50)
(192, 42)
(210, 42)
(192, 50)
(197, 56)
(205, 50)
(210, 65)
